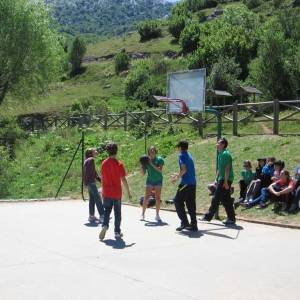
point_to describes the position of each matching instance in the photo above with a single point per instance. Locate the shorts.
(153, 184)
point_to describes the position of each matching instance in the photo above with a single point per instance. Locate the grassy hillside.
(131, 43)
(42, 160)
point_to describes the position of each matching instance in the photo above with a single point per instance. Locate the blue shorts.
(153, 184)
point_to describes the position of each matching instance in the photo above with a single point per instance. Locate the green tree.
(30, 51)
(176, 25)
(189, 37)
(77, 53)
(235, 35)
(224, 75)
(277, 70)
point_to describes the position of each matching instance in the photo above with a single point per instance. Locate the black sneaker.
(182, 226)
(192, 228)
(229, 222)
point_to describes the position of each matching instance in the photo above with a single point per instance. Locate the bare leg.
(146, 198)
(157, 199)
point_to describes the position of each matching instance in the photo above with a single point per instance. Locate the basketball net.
(176, 102)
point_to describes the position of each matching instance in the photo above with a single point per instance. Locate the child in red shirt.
(113, 174)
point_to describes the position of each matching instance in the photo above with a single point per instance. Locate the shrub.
(141, 84)
(121, 62)
(136, 77)
(158, 66)
(176, 25)
(149, 30)
(189, 37)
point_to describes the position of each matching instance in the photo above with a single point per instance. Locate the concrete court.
(47, 251)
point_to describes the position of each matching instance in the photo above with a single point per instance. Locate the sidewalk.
(49, 251)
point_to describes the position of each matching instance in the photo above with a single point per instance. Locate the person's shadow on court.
(155, 224)
(92, 224)
(117, 243)
(191, 234)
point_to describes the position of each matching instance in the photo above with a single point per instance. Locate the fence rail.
(271, 111)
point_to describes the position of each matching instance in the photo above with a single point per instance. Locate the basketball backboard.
(188, 86)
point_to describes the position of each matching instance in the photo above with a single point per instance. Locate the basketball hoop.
(176, 102)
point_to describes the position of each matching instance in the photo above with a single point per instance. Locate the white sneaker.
(142, 218)
(118, 235)
(101, 219)
(102, 233)
(157, 218)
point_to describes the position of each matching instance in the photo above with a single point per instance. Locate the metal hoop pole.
(64, 178)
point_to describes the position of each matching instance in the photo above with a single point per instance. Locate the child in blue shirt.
(186, 193)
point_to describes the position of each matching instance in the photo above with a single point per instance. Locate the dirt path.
(266, 129)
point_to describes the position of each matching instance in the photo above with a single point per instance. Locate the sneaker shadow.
(92, 224)
(222, 235)
(117, 243)
(155, 224)
(234, 226)
(191, 234)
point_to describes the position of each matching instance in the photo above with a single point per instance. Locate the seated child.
(247, 176)
(281, 191)
(255, 183)
(278, 167)
(264, 194)
(262, 179)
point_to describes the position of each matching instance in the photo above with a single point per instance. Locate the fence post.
(125, 121)
(235, 119)
(276, 117)
(200, 125)
(105, 120)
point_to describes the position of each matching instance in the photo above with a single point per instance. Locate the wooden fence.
(275, 112)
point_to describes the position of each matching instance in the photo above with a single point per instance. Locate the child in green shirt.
(247, 176)
(154, 180)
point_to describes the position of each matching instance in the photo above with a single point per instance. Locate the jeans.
(186, 195)
(108, 204)
(94, 199)
(262, 199)
(221, 195)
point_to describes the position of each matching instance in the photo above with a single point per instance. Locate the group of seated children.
(269, 183)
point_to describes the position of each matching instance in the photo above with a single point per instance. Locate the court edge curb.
(290, 226)
(15, 201)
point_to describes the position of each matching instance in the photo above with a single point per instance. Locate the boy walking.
(113, 174)
(186, 193)
(224, 180)
(89, 178)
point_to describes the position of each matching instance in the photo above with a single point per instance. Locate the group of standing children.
(113, 175)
